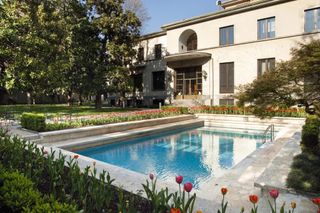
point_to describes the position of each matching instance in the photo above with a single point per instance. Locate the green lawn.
(54, 110)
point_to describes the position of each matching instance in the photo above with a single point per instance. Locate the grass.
(55, 110)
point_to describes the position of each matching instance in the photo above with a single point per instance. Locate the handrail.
(265, 133)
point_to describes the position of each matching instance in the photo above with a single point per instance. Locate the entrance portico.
(187, 73)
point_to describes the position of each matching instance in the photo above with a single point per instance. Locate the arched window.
(188, 41)
(192, 42)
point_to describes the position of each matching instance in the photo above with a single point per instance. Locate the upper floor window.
(192, 42)
(158, 51)
(226, 35)
(158, 81)
(265, 64)
(227, 77)
(141, 54)
(266, 28)
(312, 20)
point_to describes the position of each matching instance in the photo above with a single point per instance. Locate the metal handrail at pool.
(270, 129)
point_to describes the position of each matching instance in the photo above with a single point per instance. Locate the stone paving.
(266, 168)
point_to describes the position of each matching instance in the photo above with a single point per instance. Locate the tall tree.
(118, 33)
(292, 82)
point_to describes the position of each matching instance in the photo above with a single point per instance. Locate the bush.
(18, 194)
(36, 122)
(304, 174)
(310, 133)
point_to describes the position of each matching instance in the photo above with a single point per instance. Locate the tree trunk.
(69, 98)
(29, 98)
(80, 100)
(98, 102)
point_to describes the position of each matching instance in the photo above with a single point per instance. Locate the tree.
(292, 82)
(118, 34)
(137, 7)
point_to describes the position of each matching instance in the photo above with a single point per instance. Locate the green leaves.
(292, 82)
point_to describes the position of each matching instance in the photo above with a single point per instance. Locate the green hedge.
(36, 122)
(18, 194)
(310, 133)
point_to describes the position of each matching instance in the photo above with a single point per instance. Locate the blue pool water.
(197, 154)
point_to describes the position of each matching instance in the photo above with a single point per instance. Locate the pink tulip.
(151, 176)
(188, 187)
(274, 193)
(179, 179)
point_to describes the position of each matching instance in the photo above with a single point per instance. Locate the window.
(226, 35)
(158, 82)
(192, 42)
(141, 54)
(157, 51)
(227, 77)
(226, 102)
(266, 28)
(312, 20)
(138, 82)
(265, 64)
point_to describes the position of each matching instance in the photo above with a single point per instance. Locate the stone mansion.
(203, 59)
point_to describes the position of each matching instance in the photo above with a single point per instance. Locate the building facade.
(204, 59)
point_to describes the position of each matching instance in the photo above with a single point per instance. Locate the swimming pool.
(197, 154)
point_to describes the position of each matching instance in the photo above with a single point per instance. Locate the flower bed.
(67, 122)
(234, 110)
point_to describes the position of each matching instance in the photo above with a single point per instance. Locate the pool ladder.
(269, 130)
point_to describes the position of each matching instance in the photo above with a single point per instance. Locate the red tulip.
(179, 179)
(274, 193)
(76, 156)
(224, 190)
(254, 199)
(175, 210)
(151, 176)
(188, 187)
(316, 201)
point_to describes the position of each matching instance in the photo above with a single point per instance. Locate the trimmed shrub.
(17, 192)
(310, 133)
(36, 122)
(304, 174)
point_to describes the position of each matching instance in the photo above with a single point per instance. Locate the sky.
(164, 12)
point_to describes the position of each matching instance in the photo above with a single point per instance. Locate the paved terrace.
(264, 169)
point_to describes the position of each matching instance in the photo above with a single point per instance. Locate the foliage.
(58, 110)
(64, 47)
(18, 194)
(36, 122)
(163, 201)
(234, 110)
(291, 83)
(310, 134)
(134, 116)
(183, 110)
(304, 174)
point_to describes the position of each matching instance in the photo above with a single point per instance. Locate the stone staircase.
(187, 102)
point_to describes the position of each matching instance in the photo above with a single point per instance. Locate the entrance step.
(187, 102)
